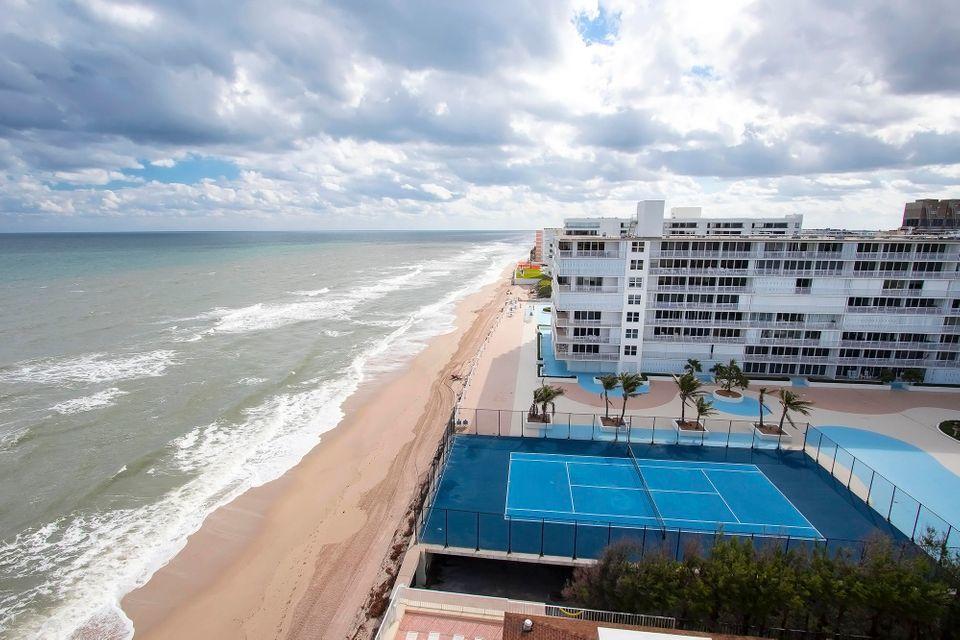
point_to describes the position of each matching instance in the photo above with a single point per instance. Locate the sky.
(348, 114)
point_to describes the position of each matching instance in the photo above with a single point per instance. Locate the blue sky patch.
(189, 170)
(705, 72)
(598, 28)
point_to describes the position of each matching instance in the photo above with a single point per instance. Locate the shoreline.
(297, 556)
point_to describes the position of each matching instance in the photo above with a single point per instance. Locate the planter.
(735, 396)
(689, 427)
(538, 421)
(771, 434)
(612, 424)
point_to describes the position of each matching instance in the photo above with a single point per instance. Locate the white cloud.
(404, 115)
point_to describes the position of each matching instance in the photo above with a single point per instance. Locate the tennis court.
(666, 494)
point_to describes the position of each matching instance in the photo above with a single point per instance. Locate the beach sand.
(298, 557)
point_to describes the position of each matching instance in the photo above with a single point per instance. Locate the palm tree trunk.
(606, 401)
(761, 412)
(683, 410)
(624, 411)
(783, 417)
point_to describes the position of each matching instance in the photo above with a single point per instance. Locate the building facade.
(647, 293)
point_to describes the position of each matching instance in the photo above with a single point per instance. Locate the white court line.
(613, 515)
(721, 496)
(573, 506)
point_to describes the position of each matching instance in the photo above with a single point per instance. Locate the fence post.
(478, 531)
(853, 466)
(499, 431)
(643, 543)
(729, 430)
(569, 425)
(916, 521)
(509, 536)
(541, 536)
(653, 434)
(575, 527)
(753, 435)
(608, 534)
(873, 474)
(893, 496)
(806, 428)
(446, 528)
(836, 450)
(819, 442)
(676, 554)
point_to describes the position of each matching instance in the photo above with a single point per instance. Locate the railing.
(723, 306)
(581, 322)
(707, 271)
(702, 288)
(491, 607)
(566, 288)
(926, 311)
(587, 356)
(890, 360)
(792, 342)
(638, 429)
(708, 254)
(589, 254)
(710, 339)
(892, 344)
(897, 507)
(561, 336)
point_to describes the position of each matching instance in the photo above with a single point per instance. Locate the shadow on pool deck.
(468, 509)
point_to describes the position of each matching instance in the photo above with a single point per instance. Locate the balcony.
(697, 339)
(892, 344)
(563, 336)
(589, 356)
(792, 342)
(723, 306)
(564, 320)
(913, 311)
(590, 254)
(706, 271)
(891, 361)
(701, 289)
(707, 254)
(576, 288)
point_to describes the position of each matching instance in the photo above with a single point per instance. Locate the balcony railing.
(708, 271)
(702, 289)
(590, 254)
(888, 361)
(699, 339)
(579, 288)
(588, 356)
(707, 254)
(565, 321)
(898, 310)
(724, 306)
(792, 342)
(609, 339)
(889, 344)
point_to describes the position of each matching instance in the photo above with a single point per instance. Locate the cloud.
(117, 115)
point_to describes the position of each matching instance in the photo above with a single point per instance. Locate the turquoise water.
(145, 379)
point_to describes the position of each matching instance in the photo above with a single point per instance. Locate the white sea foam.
(88, 561)
(91, 369)
(97, 400)
(312, 294)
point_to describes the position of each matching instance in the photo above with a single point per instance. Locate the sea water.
(146, 379)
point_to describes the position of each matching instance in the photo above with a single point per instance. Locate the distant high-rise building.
(931, 215)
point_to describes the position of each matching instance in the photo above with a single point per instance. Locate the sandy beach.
(298, 557)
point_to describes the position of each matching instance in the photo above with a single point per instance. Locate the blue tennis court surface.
(689, 495)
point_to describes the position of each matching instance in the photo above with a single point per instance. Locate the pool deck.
(506, 375)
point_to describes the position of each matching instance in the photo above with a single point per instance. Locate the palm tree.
(630, 384)
(704, 408)
(763, 392)
(693, 366)
(609, 382)
(688, 387)
(544, 395)
(792, 402)
(730, 375)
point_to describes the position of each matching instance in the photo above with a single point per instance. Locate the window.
(635, 298)
(629, 349)
(635, 283)
(636, 265)
(634, 334)
(637, 246)
(586, 348)
(633, 316)
(804, 283)
(586, 315)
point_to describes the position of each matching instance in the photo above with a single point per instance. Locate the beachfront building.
(648, 292)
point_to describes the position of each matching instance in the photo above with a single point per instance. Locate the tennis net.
(646, 489)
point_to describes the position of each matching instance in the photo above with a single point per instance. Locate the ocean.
(146, 379)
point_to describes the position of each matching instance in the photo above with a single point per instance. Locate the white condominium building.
(646, 293)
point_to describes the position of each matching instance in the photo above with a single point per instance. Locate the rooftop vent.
(527, 626)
